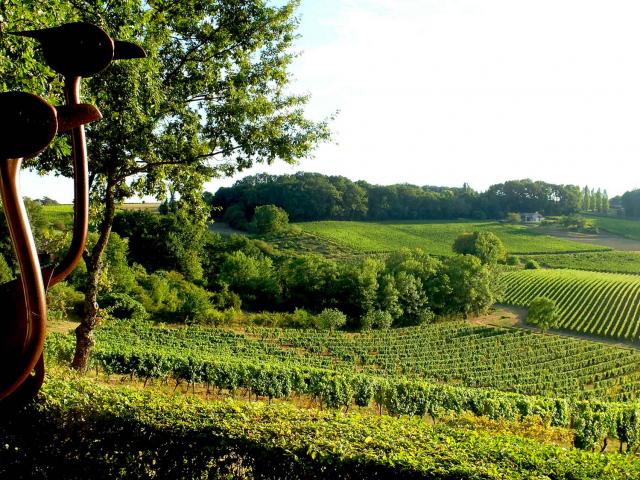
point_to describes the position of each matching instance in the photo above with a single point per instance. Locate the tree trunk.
(90, 315)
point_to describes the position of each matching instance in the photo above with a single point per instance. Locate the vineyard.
(416, 371)
(612, 262)
(603, 304)
(619, 226)
(121, 432)
(449, 353)
(437, 237)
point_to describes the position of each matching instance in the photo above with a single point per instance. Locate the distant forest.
(313, 196)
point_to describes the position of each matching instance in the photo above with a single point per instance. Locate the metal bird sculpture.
(27, 125)
(74, 50)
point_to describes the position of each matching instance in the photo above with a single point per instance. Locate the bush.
(122, 307)
(376, 319)
(61, 300)
(330, 319)
(484, 245)
(513, 217)
(543, 313)
(513, 260)
(236, 218)
(269, 219)
(531, 264)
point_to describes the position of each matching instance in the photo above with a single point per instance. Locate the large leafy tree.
(210, 99)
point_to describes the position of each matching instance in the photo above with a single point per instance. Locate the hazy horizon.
(443, 93)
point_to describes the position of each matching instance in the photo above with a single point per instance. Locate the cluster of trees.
(313, 196)
(630, 201)
(595, 200)
(168, 268)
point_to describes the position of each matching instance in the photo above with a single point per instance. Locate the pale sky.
(443, 92)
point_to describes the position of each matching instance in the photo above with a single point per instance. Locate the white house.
(534, 217)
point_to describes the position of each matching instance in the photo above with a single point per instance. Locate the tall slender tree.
(212, 98)
(586, 199)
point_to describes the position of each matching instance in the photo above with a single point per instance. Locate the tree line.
(165, 267)
(313, 196)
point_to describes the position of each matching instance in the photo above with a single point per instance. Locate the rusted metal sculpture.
(27, 125)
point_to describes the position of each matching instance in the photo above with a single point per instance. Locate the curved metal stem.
(33, 291)
(81, 191)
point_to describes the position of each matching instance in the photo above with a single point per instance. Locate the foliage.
(62, 299)
(163, 242)
(330, 319)
(122, 306)
(313, 196)
(513, 217)
(604, 304)
(521, 361)
(543, 313)
(269, 219)
(381, 319)
(410, 285)
(6, 275)
(121, 432)
(531, 264)
(593, 421)
(484, 245)
(513, 260)
(211, 98)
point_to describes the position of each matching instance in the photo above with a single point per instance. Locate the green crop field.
(62, 215)
(604, 304)
(453, 353)
(619, 226)
(436, 237)
(58, 215)
(613, 261)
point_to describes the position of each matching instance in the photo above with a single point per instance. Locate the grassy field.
(613, 262)
(62, 215)
(603, 304)
(437, 237)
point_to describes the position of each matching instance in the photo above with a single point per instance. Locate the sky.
(443, 92)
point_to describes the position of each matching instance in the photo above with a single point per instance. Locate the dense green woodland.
(313, 196)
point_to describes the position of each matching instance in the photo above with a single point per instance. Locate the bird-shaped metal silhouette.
(27, 125)
(81, 49)
(78, 50)
(74, 50)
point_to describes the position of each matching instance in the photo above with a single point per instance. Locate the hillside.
(436, 237)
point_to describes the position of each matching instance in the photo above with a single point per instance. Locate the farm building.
(534, 217)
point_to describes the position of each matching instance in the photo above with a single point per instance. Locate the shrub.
(122, 307)
(236, 218)
(513, 217)
(531, 264)
(61, 300)
(330, 319)
(513, 260)
(269, 219)
(543, 313)
(484, 245)
(376, 319)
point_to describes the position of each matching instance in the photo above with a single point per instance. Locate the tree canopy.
(212, 98)
(312, 196)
